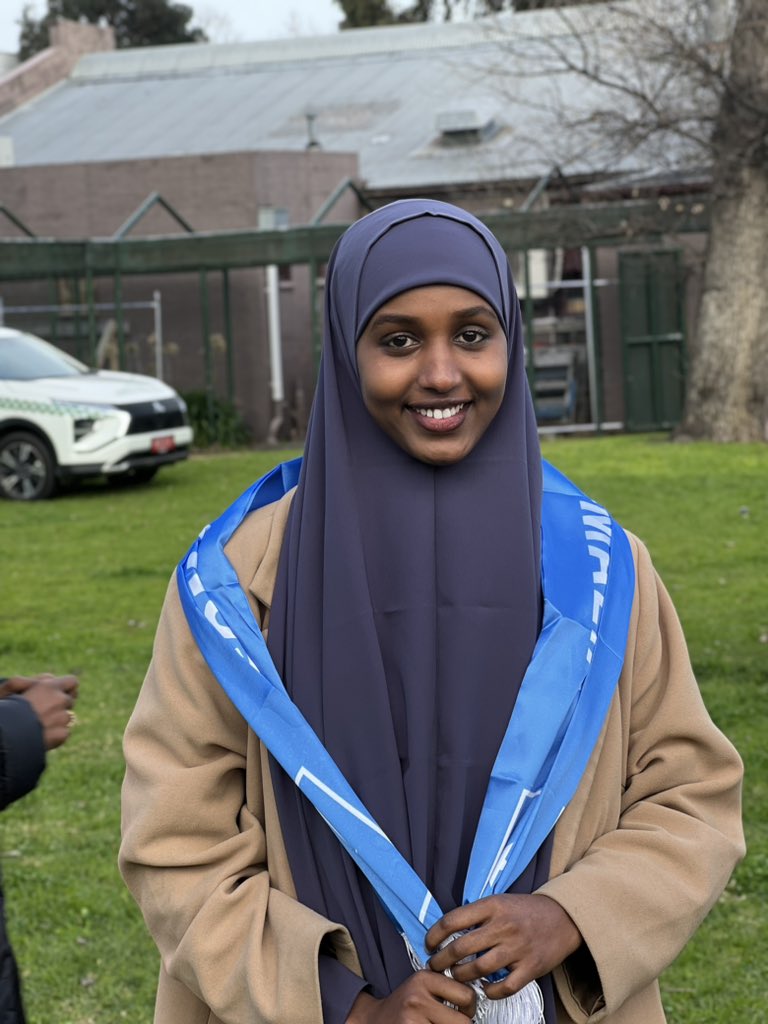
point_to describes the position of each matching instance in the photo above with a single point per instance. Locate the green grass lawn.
(83, 579)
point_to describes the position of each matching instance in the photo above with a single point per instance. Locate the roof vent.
(466, 125)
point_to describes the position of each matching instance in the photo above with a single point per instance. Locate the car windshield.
(24, 357)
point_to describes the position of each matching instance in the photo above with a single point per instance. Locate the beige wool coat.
(640, 855)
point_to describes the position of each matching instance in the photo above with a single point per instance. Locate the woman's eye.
(472, 336)
(399, 341)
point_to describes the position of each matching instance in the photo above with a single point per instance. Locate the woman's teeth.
(441, 414)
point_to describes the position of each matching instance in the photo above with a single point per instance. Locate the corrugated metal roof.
(376, 92)
(392, 39)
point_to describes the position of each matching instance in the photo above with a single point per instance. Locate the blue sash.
(588, 585)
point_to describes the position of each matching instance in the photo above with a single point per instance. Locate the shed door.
(653, 338)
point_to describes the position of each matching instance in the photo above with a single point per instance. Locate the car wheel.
(27, 467)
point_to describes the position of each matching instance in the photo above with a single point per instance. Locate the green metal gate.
(653, 338)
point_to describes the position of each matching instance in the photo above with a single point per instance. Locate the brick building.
(236, 137)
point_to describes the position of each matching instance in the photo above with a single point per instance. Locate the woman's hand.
(421, 999)
(526, 935)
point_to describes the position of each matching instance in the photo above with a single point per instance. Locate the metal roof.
(379, 92)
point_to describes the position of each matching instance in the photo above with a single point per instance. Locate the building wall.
(212, 193)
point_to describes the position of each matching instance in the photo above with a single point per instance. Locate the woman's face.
(433, 368)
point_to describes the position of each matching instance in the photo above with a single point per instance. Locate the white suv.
(60, 420)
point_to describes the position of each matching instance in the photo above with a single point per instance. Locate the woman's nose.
(439, 369)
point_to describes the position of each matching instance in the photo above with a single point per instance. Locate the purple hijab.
(408, 596)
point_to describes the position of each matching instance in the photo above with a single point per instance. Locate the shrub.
(216, 422)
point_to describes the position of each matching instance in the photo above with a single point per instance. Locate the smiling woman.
(418, 702)
(433, 367)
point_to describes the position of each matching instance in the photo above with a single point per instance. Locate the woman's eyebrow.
(463, 314)
(398, 319)
(404, 320)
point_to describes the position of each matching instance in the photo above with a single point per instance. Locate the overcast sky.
(223, 20)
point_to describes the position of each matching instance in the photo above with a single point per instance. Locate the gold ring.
(72, 719)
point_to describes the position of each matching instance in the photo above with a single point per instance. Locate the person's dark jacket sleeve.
(339, 987)
(22, 751)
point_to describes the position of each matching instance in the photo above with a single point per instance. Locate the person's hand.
(16, 685)
(52, 698)
(421, 999)
(526, 935)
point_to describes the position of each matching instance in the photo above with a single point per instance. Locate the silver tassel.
(524, 1007)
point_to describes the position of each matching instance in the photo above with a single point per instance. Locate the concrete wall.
(212, 193)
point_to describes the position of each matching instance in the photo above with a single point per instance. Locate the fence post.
(205, 316)
(91, 311)
(158, 311)
(228, 335)
(119, 314)
(528, 318)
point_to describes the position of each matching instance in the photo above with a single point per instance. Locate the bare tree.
(364, 13)
(728, 391)
(680, 84)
